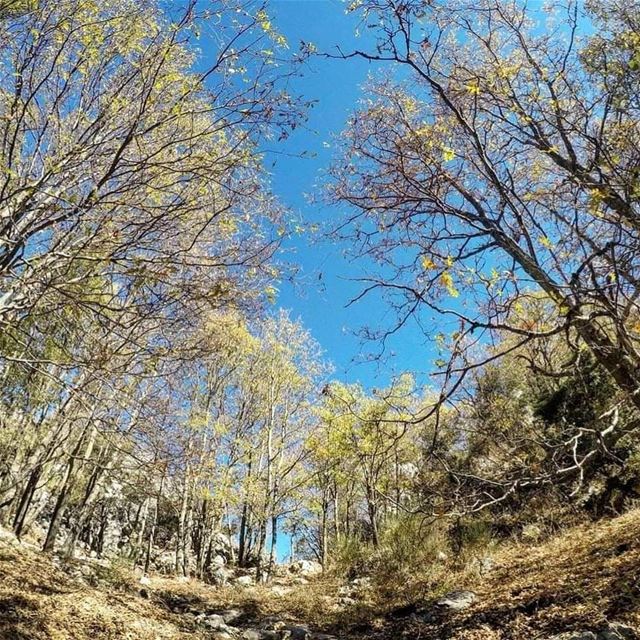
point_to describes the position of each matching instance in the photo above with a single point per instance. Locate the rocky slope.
(581, 585)
(584, 584)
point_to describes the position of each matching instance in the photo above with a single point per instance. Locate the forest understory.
(580, 585)
(319, 319)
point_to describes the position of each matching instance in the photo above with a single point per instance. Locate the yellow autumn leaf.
(409, 105)
(448, 154)
(545, 242)
(448, 284)
(473, 88)
(427, 263)
(271, 294)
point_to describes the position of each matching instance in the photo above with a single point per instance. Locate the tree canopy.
(156, 404)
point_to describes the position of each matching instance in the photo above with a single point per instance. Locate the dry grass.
(581, 579)
(314, 604)
(40, 602)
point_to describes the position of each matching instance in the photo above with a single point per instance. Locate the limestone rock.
(408, 470)
(362, 583)
(618, 631)
(219, 561)
(259, 634)
(220, 576)
(306, 568)
(299, 633)
(215, 622)
(457, 600)
(614, 631)
(486, 565)
(223, 635)
(230, 615)
(165, 562)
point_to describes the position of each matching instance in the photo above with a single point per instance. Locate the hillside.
(583, 580)
(352, 286)
(584, 583)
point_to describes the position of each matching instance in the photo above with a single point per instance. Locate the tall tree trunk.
(324, 530)
(204, 539)
(292, 544)
(65, 488)
(154, 525)
(25, 501)
(102, 527)
(244, 531)
(262, 540)
(91, 494)
(243, 541)
(372, 510)
(336, 512)
(274, 543)
(181, 560)
(141, 525)
(396, 469)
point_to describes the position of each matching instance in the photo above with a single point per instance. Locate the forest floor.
(585, 579)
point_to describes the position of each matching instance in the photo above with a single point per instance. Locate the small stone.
(299, 633)
(215, 622)
(362, 583)
(306, 568)
(618, 631)
(259, 634)
(231, 615)
(220, 575)
(486, 565)
(458, 600)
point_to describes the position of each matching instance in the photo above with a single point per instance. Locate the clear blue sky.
(323, 287)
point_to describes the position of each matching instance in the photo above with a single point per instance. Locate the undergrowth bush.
(118, 575)
(416, 558)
